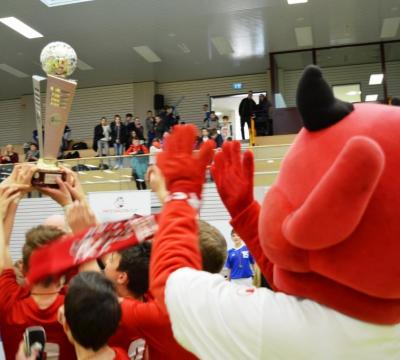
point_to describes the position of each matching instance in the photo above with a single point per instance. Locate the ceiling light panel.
(376, 79)
(373, 97)
(52, 3)
(304, 36)
(390, 26)
(148, 54)
(222, 45)
(13, 71)
(293, 2)
(20, 27)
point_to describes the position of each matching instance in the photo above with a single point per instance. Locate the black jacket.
(247, 107)
(123, 133)
(98, 134)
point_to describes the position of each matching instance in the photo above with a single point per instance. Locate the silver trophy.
(58, 60)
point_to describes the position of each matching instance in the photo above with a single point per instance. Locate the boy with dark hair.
(91, 316)
(142, 317)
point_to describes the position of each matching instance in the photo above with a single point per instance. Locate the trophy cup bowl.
(58, 60)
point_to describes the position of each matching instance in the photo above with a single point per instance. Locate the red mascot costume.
(327, 239)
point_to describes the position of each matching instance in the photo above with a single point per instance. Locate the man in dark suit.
(246, 110)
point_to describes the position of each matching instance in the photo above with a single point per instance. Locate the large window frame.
(273, 62)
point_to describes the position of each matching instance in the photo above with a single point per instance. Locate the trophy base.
(47, 178)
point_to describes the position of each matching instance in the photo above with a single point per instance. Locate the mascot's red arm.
(233, 175)
(327, 206)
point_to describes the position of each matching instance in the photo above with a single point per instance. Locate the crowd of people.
(123, 286)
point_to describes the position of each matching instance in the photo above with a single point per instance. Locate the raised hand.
(233, 174)
(67, 191)
(157, 182)
(79, 217)
(184, 171)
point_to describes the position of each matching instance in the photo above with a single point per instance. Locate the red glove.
(233, 175)
(184, 171)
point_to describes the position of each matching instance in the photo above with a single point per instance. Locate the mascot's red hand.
(184, 171)
(233, 175)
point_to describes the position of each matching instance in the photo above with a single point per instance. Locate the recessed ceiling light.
(375, 79)
(373, 97)
(83, 66)
(390, 26)
(20, 27)
(353, 93)
(147, 54)
(13, 71)
(304, 36)
(293, 2)
(52, 3)
(222, 45)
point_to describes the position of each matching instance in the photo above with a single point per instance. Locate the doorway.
(229, 105)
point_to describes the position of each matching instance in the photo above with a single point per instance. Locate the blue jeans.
(119, 150)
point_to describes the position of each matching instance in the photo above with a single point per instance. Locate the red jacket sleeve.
(246, 225)
(176, 245)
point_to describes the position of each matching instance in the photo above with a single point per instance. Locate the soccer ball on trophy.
(58, 59)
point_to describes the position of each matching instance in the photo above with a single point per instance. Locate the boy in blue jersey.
(240, 263)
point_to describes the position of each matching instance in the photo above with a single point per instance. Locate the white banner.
(119, 205)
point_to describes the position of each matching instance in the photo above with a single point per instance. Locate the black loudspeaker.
(158, 101)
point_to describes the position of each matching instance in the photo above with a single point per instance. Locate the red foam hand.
(184, 171)
(233, 175)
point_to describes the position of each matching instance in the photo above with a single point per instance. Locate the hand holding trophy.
(58, 60)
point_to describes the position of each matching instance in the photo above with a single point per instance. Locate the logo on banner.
(119, 202)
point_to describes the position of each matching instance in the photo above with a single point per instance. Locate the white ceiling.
(104, 32)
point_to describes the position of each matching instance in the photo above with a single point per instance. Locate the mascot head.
(331, 221)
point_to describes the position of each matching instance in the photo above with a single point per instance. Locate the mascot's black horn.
(316, 103)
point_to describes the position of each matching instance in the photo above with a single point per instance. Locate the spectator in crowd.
(66, 139)
(159, 127)
(154, 149)
(169, 118)
(102, 138)
(129, 122)
(150, 123)
(395, 101)
(214, 135)
(35, 135)
(204, 136)
(9, 155)
(240, 263)
(263, 116)
(33, 153)
(139, 163)
(139, 128)
(226, 128)
(214, 120)
(37, 304)
(207, 115)
(164, 138)
(91, 315)
(119, 138)
(246, 110)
